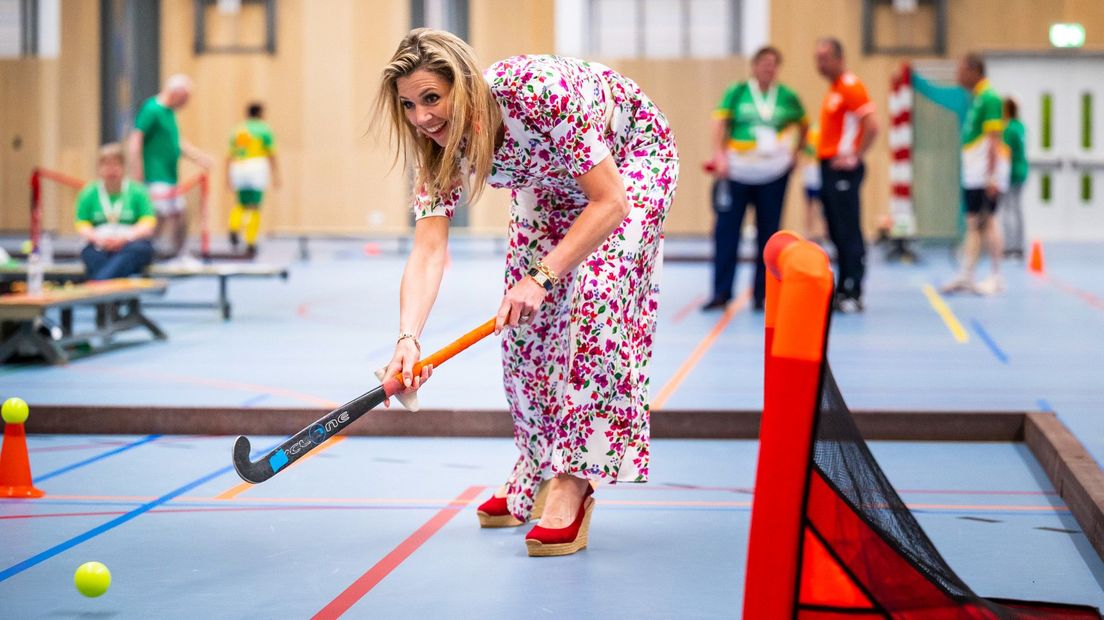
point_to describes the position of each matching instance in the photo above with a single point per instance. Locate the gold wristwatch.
(544, 276)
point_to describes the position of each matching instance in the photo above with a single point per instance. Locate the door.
(1061, 102)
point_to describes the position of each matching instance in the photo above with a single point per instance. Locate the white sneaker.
(961, 284)
(187, 261)
(992, 285)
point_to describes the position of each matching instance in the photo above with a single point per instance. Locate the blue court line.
(249, 402)
(989, 342)
(34, 560)
(99, 457)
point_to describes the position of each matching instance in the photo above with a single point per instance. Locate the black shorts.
(979, 203)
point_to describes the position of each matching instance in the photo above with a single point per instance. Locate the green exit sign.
(1067, 35)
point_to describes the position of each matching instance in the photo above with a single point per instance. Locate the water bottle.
(35, 273)
(722, 198)
(46, 246)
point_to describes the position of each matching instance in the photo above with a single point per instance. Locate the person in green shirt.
(758, 131)
(1011, 207)
(985, 175)
(115, 216)
(249, 167)
(155, 151)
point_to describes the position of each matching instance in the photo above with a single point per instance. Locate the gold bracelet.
(405, 335)
(548, 273)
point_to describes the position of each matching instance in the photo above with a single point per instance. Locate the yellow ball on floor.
(92, 579)
(14, 411)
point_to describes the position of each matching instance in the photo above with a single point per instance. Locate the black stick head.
(253, 473)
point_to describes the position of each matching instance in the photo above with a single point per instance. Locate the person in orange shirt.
(847, 129)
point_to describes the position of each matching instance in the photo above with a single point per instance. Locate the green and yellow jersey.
(96, 208)
(985, 115)
(250, 139)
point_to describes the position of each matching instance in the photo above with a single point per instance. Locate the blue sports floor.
(384, 527)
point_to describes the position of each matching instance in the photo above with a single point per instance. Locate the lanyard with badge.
(766, 139)
(113, 210)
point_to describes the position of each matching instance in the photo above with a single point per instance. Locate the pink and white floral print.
(576, 377)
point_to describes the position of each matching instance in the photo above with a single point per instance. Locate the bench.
(74, 272)
(118, 308)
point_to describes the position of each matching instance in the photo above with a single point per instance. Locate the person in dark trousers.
(758, 130)
(847, 129)
(1011, 207)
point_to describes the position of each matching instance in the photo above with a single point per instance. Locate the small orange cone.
(15, 466)
(1035, 263)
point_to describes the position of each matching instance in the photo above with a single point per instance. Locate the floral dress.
(576, 376)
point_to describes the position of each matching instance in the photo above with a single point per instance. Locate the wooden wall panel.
(320, 86)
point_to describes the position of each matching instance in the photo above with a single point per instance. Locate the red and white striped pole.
(900, 146)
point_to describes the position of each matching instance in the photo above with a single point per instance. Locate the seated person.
(116, 218)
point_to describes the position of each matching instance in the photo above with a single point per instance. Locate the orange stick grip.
(456, 346)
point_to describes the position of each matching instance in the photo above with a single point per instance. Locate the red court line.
(1086, 296)
(988, 508)
(687, 309)
(691, 487)
(391, 561)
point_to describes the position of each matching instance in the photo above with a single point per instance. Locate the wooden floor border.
(1075, 475)
(669, 423)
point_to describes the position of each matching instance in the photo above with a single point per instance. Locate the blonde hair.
(474, 117)
(111, 150)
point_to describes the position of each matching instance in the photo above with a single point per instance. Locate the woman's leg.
(534, 356)
(602, 428)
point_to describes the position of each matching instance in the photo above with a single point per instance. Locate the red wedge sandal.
(543, 541)
(493, 512)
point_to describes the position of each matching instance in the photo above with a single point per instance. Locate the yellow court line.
(235, 491)
(695, 356)
(944, 311)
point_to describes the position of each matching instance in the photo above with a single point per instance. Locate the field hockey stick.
(334, 422)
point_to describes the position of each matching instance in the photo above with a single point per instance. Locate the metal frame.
(938, 46)
(115, 312)
(200, 44)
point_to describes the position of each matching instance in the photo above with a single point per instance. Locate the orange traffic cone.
(1035, 262)
(15, 466)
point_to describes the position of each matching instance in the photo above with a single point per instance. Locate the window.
(29, 28)
(235, 26)
(660, 28)
(450, 15)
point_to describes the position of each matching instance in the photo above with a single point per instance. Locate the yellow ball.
(14, 411)
(27, 246)
(92, 579)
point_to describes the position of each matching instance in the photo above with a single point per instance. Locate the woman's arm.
(421, 281)
(607, 208)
